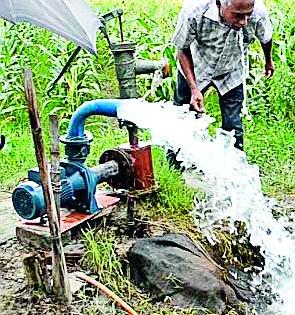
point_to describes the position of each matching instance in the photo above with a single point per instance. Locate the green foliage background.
(269, 137)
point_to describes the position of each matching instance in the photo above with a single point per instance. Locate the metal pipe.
(78, 140)
(150, 66)
(125, 68)
(132, 135)
(104, 107)
(128, 67)
(105, 171)
(131, 204)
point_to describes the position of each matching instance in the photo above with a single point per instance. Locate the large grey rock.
(172, 265)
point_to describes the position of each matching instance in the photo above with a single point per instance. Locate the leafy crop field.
(269, 136)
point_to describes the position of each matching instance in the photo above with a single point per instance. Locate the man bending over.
(208, 40)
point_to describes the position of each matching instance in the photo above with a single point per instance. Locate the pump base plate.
(36, 234)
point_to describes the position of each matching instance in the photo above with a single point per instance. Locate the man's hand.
(186, 62)
(197, 101)
(269, 69)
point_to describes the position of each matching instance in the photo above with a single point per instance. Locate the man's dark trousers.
(230, 106)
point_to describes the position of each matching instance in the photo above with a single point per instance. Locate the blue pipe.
(105, 107)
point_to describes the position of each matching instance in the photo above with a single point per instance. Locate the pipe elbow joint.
(78, 141)
(104, 107)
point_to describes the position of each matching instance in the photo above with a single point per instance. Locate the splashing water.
(232, 186)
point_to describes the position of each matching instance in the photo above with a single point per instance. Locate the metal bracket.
(111, 15)
(2, 142)
(126, 123)
(132, 131)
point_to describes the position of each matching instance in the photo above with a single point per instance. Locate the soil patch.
(8, 218)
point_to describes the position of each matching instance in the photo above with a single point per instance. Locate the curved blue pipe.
(105, 107)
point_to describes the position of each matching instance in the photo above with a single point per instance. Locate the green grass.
(102, 259)
(174, 197)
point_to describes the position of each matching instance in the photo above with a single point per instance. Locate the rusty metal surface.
(71, 219)
(125, 178)
(142, 164)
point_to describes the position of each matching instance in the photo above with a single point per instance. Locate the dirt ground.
(8, 217)
(16, 298)
(15, 295)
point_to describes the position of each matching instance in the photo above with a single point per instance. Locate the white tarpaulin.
(72, 19)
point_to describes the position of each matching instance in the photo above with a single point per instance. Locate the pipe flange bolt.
(77, 148)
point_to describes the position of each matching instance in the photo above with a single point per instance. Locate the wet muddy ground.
(15, 295)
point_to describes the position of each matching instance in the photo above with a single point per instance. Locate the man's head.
(236, 13)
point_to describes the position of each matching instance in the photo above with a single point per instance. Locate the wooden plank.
(36, 271)
(38, 239)
(31, 232)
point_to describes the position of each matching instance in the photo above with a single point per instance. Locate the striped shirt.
(215, 47)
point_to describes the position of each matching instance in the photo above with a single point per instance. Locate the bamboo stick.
(61, 287)
(55, 164)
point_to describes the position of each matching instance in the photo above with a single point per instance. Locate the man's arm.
(263, 32)
(186, 62)
(269, 66)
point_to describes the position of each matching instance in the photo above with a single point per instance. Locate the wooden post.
(36, 271)
(61, 287)
(55, 165)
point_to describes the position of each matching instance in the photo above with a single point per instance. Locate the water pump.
(128, 167)
(78, 188)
